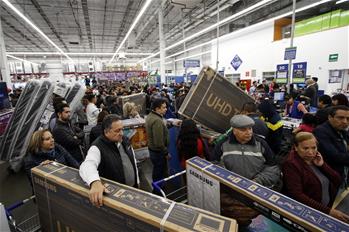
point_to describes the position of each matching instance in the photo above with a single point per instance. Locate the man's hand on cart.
(46, 162)
(96, 193)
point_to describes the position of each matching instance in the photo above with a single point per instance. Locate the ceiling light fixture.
(341, 1)
(242, 30)
(187, 57)
(77, 53)
(181, 52)
(145, 6)
(35, 27)
(207, 29)
(16, 58)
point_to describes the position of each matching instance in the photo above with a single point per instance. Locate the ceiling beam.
(104, 17)
(75, 19)
(123, 23)
(44, 16)
(16, 40)
(87, 21)
(21, 33)
(20, 22)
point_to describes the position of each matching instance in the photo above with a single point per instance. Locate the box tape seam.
(164, 219)
(48, 202)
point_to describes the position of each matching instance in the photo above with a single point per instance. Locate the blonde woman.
(42, 150)
(130, 110)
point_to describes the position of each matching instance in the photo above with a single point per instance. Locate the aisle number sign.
(290, 53)
(299, 72)
(281, 73)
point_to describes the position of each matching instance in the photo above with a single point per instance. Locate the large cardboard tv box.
(63, 203)
(213, 100)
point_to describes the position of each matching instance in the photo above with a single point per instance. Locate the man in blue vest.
(110, 156)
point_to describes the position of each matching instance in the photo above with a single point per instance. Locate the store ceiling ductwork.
(100, 26)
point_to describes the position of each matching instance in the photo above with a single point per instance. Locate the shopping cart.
(173, 187)
(31, 224)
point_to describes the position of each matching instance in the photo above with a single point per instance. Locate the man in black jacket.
(260, 127)
(111, 156)
(333, 140)
(68, 136)
(324, 105)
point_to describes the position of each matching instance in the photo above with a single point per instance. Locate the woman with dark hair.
(190, 142)
(42, 149)
(274, 124)
(340, 99)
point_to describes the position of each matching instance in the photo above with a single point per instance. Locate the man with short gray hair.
(247, 155)
(110, 156)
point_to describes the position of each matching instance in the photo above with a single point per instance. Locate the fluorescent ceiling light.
(35, 27)
(145, 6)
(187, 57)
(191, 56)
(341, 1)
(207, 29)
(241, 30)
(77, 53)
(181, 52)
(16, 58)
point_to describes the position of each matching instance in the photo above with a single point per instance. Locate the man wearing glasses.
(110, 156)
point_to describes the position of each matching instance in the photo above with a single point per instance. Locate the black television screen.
(4, 100)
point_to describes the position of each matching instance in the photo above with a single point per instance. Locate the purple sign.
(4, 120)
(236, 62)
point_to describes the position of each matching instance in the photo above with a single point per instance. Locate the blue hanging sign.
(191, 63)
(290, 53)
(299, 72)
(281, 73)
(236, 62)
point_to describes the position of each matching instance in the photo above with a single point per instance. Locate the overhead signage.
(191, 63)
(333, 57)
(281, 73)
(236, 62)
(299, 72)
(290, 53)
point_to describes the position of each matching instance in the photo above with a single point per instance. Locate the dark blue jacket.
(59, 155)
(331, 146)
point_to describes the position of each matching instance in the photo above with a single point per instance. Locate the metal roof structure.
(99, 26)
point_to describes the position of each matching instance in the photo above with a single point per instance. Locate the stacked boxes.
(284, 210)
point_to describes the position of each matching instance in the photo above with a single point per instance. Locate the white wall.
(258, 51)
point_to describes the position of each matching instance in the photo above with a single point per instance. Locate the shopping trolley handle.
(18, 204)
(156, 184)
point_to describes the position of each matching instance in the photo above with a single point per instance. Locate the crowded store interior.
(174, 115)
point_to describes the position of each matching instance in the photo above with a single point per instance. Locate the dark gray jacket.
(253, 160)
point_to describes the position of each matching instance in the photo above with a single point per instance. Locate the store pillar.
(162, 44)
(5, 72)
